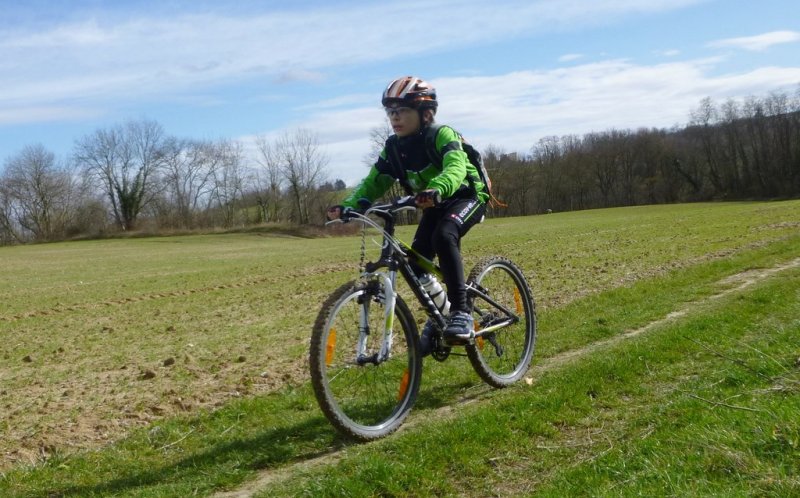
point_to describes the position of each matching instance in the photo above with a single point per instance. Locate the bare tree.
(38, 196)
(124, 161)
(605, 163)
(779, 108)
(377, 141)
(303, 167)
(9, 233)
(189, 169)
(546, 156)
(230, 177)
(704, 118)
(268, 178)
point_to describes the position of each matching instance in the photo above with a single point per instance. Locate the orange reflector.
(518, 300)
(329, 349)
(403, 385)
(479, 339)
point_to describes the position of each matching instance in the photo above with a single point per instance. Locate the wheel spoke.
(504, 307)
(364, 400)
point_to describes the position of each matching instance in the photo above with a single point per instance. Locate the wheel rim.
(369, 397)
(513, 340)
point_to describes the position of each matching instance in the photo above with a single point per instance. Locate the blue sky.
(508, 72)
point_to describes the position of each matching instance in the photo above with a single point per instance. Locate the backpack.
(473, 155)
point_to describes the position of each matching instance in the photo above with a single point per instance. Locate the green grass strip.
(706, 405)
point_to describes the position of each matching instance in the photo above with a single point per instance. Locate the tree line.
(729, 151)
(135, 176)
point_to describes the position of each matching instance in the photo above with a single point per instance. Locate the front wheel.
(501, 298)
(362, 395)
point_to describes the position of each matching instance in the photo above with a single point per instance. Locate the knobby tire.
(505, 283)
(366, 401)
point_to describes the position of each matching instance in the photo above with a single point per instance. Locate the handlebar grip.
(347, 214)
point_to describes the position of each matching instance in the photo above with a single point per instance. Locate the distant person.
(450, 194)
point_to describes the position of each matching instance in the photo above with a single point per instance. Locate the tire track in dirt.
(122, 301)
(738, 282)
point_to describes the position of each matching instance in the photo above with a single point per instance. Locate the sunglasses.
(397, 111)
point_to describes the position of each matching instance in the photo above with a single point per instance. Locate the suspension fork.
(387, 280)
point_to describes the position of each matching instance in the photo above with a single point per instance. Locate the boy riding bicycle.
(450, 192)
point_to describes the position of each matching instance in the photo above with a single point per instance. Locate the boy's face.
(404, 120)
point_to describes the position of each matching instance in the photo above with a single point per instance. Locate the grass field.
(169, 366)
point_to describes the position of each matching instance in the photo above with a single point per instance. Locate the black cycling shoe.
(460, 328)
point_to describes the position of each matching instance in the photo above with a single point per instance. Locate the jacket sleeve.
(374, 185)
(454, 163)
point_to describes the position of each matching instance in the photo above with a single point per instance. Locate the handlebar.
(402, 204)
(384, 211)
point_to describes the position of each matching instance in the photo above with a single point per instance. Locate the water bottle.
(437, 293)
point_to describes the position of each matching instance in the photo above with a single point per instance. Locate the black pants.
(439, 234)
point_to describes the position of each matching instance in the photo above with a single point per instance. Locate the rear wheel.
(499, 294)
(361, 395)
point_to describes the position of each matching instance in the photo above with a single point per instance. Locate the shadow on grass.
(225, 464)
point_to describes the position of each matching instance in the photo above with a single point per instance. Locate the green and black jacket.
(454, 173)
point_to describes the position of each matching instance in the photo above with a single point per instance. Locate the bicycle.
(366, 382)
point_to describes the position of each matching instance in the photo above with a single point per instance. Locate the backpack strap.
(396, 165)
(437, 157)
(430, 145)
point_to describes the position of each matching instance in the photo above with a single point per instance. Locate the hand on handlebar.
(344, 213)
(335, 212)
(428, 198)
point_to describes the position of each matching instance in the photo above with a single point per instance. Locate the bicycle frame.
(368, 383)
(396, 256)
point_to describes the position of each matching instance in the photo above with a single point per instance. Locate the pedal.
(459, 341)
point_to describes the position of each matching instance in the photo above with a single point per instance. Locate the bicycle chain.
(362, 267)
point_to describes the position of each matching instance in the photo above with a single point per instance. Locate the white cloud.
(83, 33)
(143, 57)
(523, 107)
(758, 43)
(45, 114)
(597, 96)
(299, 75)
(570, 57)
